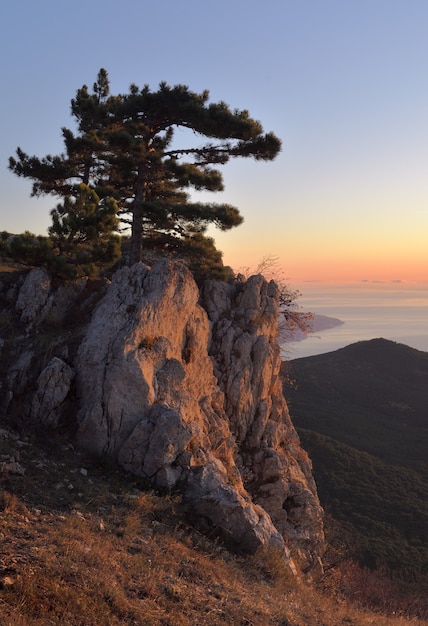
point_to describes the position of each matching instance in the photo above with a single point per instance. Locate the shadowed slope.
(362, 414)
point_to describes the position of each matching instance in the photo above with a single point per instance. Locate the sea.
(398, 312)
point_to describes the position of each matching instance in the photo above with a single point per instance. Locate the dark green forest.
(362, 415)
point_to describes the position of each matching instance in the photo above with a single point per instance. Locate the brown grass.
(93, 547)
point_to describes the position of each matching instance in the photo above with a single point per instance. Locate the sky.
(343, 83)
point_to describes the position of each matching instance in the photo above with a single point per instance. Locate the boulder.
(53, 387)
(34, 294)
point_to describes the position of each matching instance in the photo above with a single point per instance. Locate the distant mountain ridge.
(382, 382)
(362, 414)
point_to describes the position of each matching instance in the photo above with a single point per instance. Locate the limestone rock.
(180, 387)
(39, 301)
(53, 386)
(149, 398)
(275, 470)
(33, 294)
(145, 345)
(155, 448)
(54, 316)
(62, 300)
(213, 498)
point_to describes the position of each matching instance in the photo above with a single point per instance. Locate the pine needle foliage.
(126, 153)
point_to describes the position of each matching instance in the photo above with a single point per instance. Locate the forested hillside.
(362, 415)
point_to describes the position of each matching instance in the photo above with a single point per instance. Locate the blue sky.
(343, 83)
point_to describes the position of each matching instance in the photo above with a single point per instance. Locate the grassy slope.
(362, 415)
(94, 548)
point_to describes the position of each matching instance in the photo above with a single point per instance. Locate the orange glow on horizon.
(337, 269)
(331, 254)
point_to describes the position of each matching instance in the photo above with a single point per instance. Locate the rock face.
(53, 388)
(182, 389)
(275, 470)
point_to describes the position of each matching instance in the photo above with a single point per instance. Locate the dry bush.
(292, 319)
(9, 503)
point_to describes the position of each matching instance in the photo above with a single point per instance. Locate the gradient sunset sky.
(343, 83)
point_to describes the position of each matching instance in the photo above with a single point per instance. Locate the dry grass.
(92, 548)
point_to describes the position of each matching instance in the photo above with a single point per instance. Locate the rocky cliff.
(179, 386)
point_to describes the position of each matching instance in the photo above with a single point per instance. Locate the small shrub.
(9, 503)
(272, 565)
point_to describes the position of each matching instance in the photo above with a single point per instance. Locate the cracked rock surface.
(181, 387)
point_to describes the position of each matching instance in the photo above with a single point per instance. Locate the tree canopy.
(125, 152)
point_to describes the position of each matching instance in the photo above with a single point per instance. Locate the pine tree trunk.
(137, 219)
(136, 235)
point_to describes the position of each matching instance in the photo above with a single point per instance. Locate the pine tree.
(83, 228)
(124, 150)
